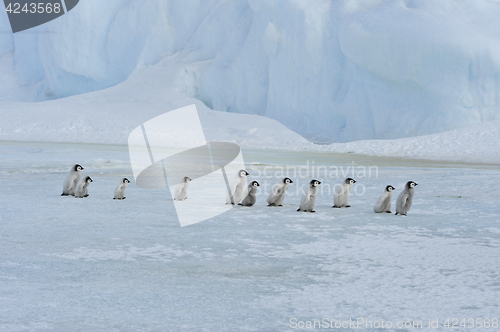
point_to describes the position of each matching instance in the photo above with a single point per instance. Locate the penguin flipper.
(404, 199)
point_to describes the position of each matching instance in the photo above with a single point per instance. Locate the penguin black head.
(88, 179)
(411, 184)
(243, 173)
(254, 184)
(350, 181)
(389, 188)
(187, 179)
(314, 183)
(77, 168)
(287, 180)
(125, 180)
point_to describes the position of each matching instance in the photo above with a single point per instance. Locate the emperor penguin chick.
(182, 188)
(341, 196)
(237, 187)
(405, 199)
(251, 197)
(309, 197)
(277, 195)
(384, 202)
(71, 180)
(120, 189)
(82, 188)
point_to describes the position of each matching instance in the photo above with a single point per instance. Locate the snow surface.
(96, 264)
(329, 70)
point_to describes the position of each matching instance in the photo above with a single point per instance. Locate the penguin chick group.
(72, 185)
(403, 203)
(241, 194)
(276, 197)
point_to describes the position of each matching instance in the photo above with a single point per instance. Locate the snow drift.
(330, 70)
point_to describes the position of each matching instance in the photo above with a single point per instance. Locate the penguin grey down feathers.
(82, 188)
(71, 180)
(120, 189)
(237, 187)
(251, 197)
(181, 190)
(277, 194)
(341, 196)
(309, 197)
(384, 202)
(405, 199)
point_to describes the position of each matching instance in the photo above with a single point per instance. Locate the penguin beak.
(416, 184)
(319, 182)
(354, 181)
(83, 168)
(247, 173)
(258, 185)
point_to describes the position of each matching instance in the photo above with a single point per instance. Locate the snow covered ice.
(406, 86)
(99, 264)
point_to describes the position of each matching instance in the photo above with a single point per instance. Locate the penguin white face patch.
(243, 174)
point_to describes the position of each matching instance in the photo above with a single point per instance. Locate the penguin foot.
(403, 214)
(86, 195)
(396, 214)
(388, 212)
(337, 207)
(64, 194)
(312, 211)
(347, 206)
(124, 197)
(114, 198)
(298, 210)
(280, 205)
(240, 204)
